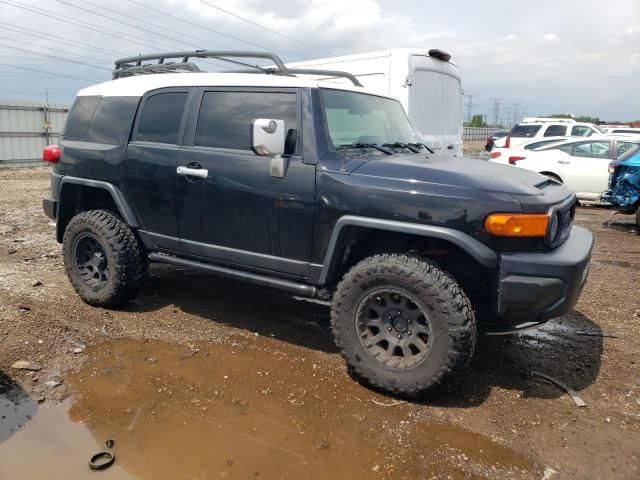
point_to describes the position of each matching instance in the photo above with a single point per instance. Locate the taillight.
(495, 154)
(507, 142)
(51, 154)
(513, 160)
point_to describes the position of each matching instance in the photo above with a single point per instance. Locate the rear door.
(151, 161)
(586, 170)
(235, 211)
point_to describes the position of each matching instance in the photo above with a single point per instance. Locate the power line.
(49, 73)
(265, 28)
(208, 29)
(108, 32)
(127, 23)
(74, 54)
(131, 25)
(37, 33)
(62, 59)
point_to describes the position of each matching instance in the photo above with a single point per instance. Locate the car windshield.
(357, 119)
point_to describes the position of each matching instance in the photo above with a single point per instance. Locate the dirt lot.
(207, 378)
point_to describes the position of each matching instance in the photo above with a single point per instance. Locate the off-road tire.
(437, 293)
(126, 259)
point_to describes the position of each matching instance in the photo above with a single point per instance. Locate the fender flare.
(479, 251)
(117, 195)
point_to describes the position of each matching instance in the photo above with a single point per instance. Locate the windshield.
(358, 118)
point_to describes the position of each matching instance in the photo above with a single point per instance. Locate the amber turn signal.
(517, 224)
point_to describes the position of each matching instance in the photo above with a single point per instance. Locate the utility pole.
(516, 108)
(469, 106)
(497, 105)
(46, 125)
(505, 121)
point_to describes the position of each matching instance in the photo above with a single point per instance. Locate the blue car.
(624, 182)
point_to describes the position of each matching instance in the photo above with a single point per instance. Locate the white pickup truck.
(426, 82)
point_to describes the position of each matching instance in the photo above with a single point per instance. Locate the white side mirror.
(267, 136)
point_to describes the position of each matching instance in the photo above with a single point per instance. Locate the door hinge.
(408, 81)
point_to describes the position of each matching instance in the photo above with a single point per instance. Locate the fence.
(26, 128)
(475, 133)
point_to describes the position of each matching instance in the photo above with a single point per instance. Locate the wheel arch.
(349, 230)
(78, 195)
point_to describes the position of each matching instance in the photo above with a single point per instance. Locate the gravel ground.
(43, 320)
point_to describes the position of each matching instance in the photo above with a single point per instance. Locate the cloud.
(539, 54)
(549, 37)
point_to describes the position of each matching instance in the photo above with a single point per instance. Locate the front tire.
(402, 324)
(103, 259)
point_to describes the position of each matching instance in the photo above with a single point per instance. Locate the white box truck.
(426, 82)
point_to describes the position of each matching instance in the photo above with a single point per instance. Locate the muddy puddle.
(243, 410)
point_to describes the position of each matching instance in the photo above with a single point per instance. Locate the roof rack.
(547, 119)
(130, 66)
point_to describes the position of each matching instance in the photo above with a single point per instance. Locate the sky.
(537, 57)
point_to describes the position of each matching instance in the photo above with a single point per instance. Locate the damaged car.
(624, 182)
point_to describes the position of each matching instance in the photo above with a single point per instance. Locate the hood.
(455, 172)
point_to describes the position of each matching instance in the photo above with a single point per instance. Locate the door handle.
(564, 162)
(192, 172)
(450, 147)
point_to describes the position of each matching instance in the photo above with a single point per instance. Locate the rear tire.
(103, 259)
(402, 324)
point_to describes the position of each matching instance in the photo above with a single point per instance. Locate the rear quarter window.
(80, 116)
(161, 118)
(555, 131)
(113, 119)
(525, 131)
(541, 143)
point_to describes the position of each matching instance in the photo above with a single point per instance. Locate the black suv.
(317, 188)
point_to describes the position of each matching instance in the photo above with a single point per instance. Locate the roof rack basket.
(130, 66)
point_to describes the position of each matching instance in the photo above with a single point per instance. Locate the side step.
(257, 278)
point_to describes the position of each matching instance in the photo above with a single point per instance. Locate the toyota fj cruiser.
(317, 188)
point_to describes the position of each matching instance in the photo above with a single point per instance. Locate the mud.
(245, 411)
(141, 371)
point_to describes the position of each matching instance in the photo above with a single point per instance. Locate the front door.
(230, 209)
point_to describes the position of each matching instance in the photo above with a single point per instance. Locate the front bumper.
(535, 287)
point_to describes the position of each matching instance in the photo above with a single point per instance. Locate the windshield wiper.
(366, 145)
(421, 145)
(402, 145)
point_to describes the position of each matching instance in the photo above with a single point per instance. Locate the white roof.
(402, 52)
(138, 85)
